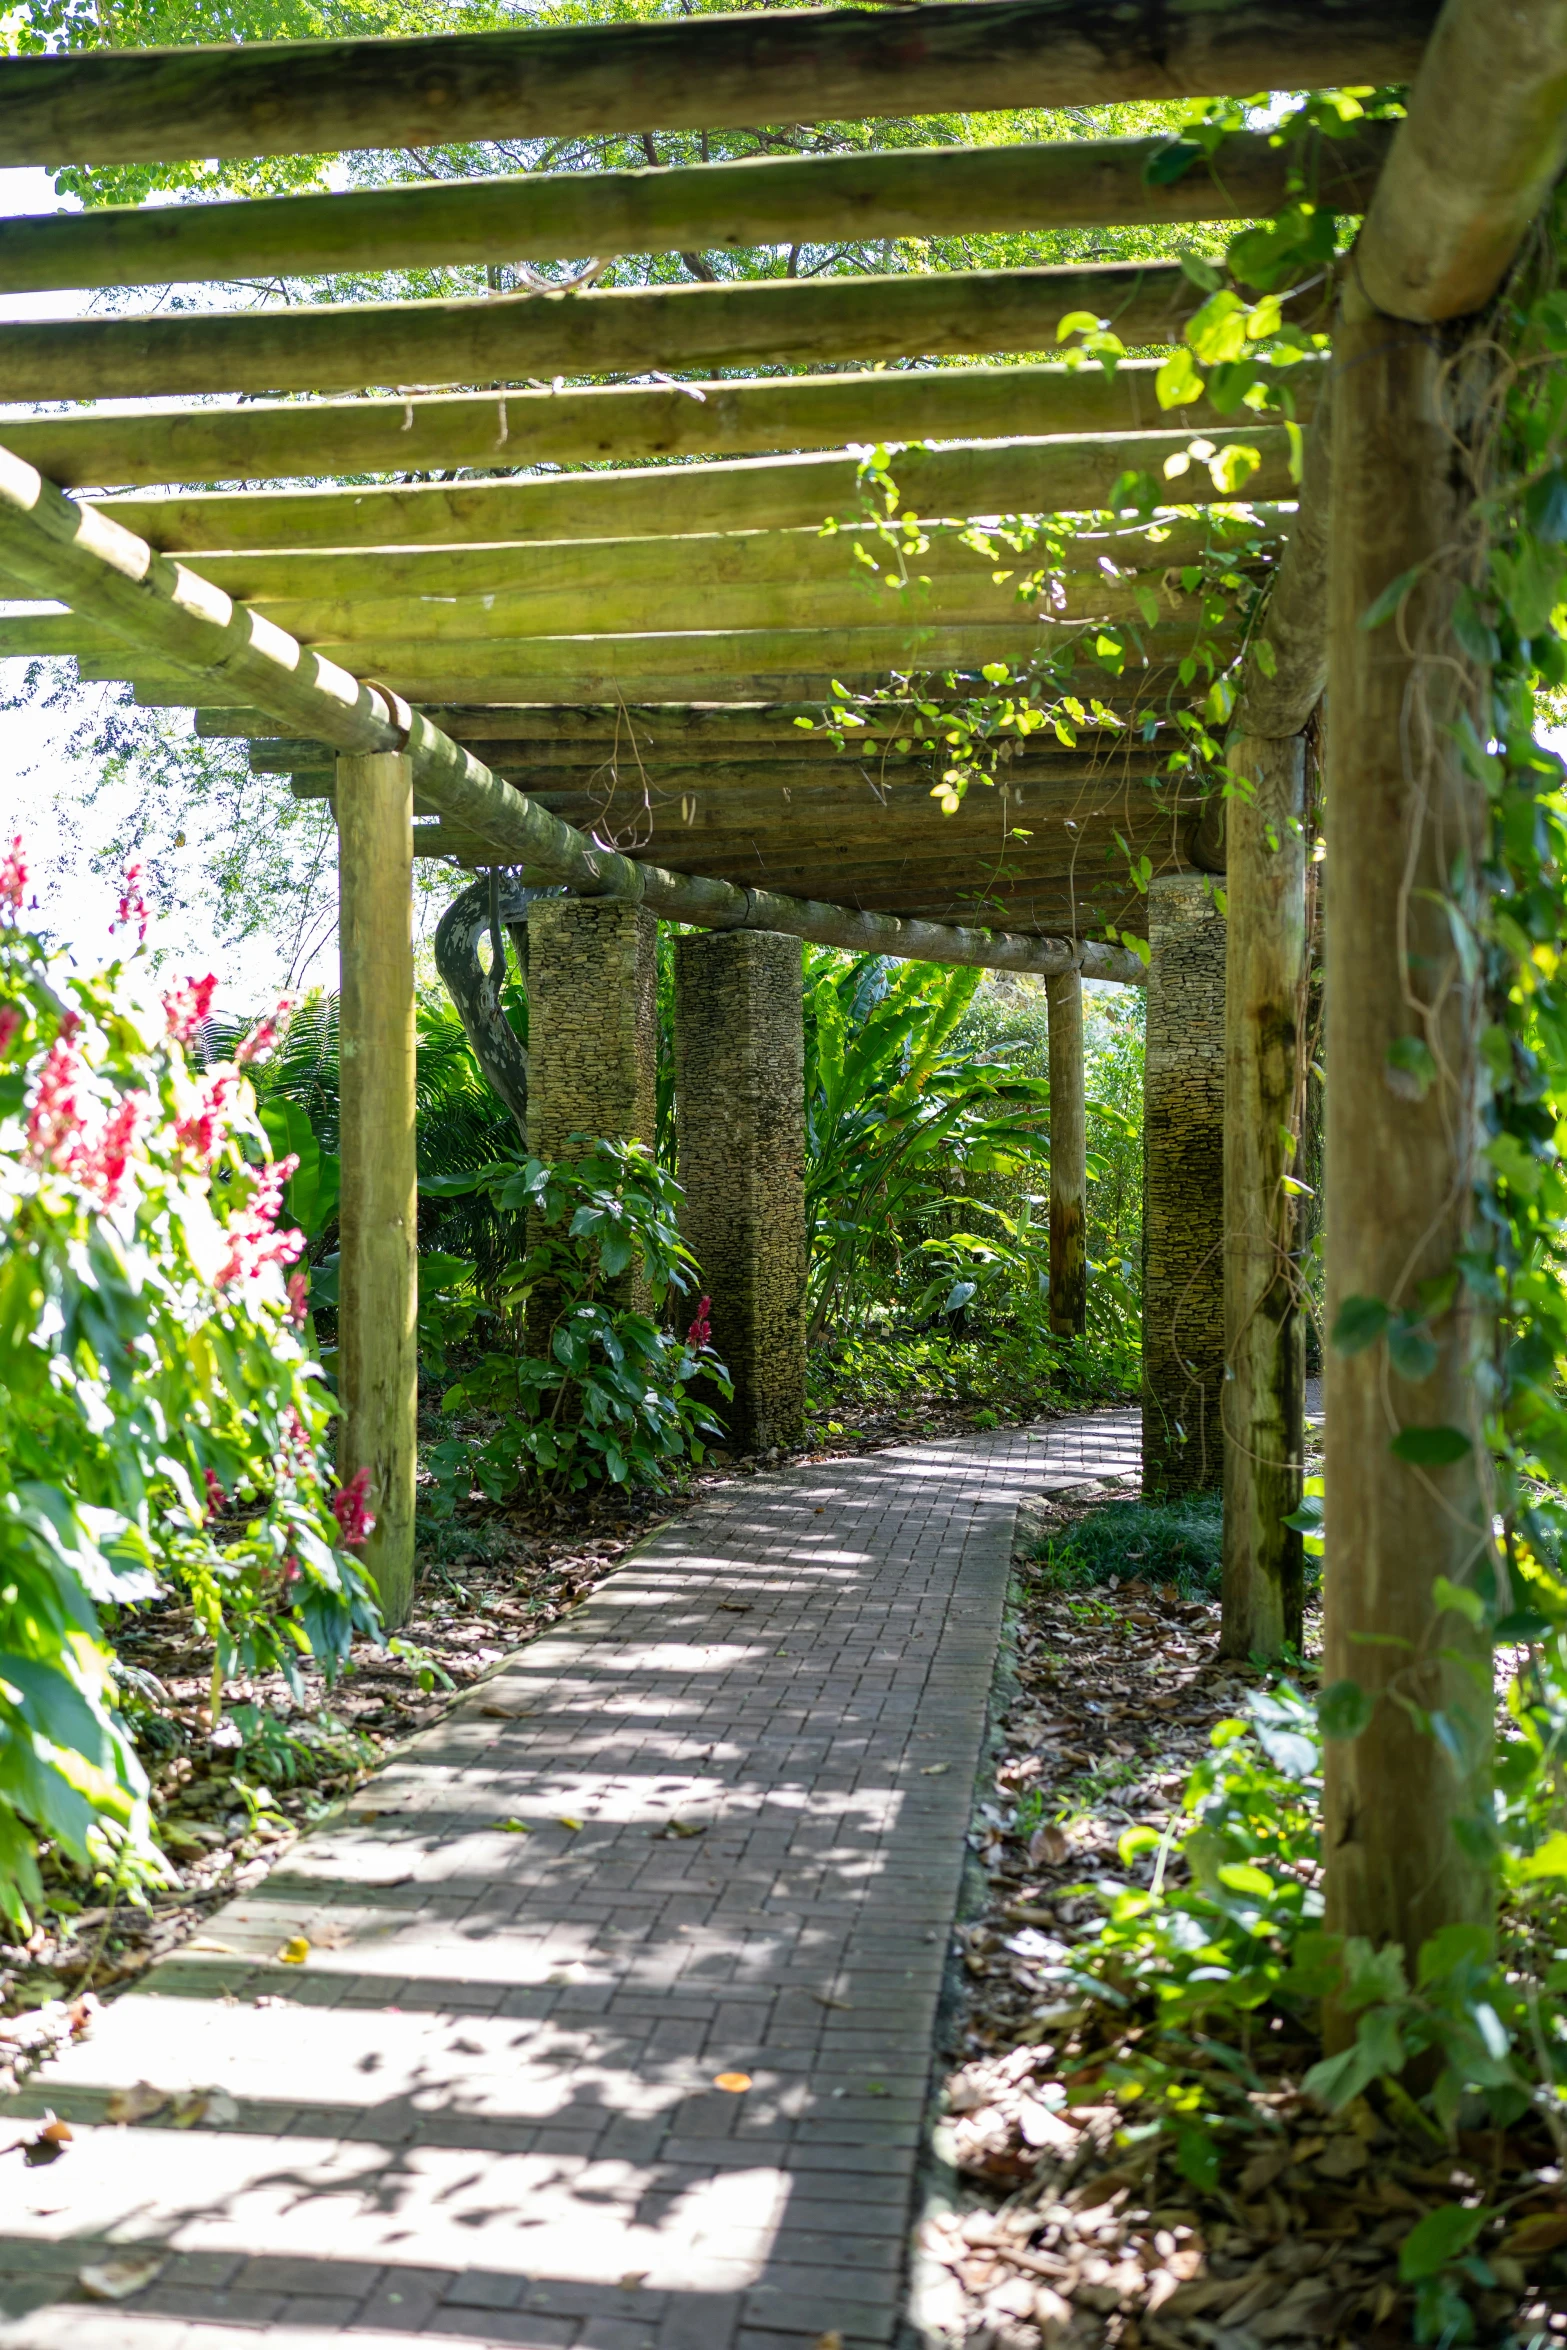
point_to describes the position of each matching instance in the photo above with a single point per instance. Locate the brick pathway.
(484, 2109)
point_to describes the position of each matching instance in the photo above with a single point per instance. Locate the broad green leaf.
(1431, 1448)
(1345, 1710)
(1460, 1599)
(1359, 1323)
(1392, 596)
(1436, 2241)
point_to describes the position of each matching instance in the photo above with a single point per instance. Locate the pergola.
(597, 678)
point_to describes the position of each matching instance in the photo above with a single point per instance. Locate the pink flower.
(56, 1121)
(701, 1330)
(13, 876)
(217, 1499)
(257, 1045)
(133, 906)
(253, 1237)
(102, 1167)
(187, 1005)
(10, 1022)
(204, 1129)
(355, 1520)
(298, 1299)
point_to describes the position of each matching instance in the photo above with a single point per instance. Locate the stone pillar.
(592, 1043)
(1183, 1189)
(740, 1090)
(592, 1023)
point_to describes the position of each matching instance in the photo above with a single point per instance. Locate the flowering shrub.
(608, 1395)
(161, 1422)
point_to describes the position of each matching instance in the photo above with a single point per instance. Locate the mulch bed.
(1058, 2236)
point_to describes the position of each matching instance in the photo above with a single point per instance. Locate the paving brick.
(499, 2078)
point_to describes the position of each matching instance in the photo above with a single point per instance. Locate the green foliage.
(161, 1421)
(608, 1397)
(1158, 1542)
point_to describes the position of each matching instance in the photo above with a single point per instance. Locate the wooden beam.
(705, 560)
(378, 1309)
(302, 439)
(1068, 1158)
(1481, 145)
(835, 595)
(1404, 1016)
(681, 730)
(507, 338)
(1021, 476)
(311, 97)
(576, 764)
(1263, 1400)
(900, 192)
(59, 548)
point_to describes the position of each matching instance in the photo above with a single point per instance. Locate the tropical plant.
(161, 1421)
(602, 1390)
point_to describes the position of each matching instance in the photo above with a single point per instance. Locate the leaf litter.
(1069, 2229)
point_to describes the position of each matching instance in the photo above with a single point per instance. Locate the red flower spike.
(187, 1005)
(13, 877)
(701, 1330)
(355, 1519)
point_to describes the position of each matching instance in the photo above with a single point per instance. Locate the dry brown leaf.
(1542, 2232)
(136, 2104)
(506, 1713)
(118, 2279)
(1048, 1847)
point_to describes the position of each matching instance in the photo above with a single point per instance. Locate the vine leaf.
(1388, 601)
(1344, 1710)
(1360, 1323)
(1431, 1448)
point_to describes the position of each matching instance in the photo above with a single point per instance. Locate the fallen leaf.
(514, 1827)
(1041, 2126)
(632, 2278)
(573, 1825)
(1048, 1847)
(1543, 2231)
(933, 1770)
(331, 1938)
(205, 1942)
(832, 2341)
(733, 2082)
(736, 1607)
(50, 2143)
(135, 2105)
(214, 2107)
(295, 1951)
(505, 1713)
(826, 1999)
(679, 1828)
(117, 2280)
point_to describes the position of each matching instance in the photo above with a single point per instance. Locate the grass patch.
(1158, 1542)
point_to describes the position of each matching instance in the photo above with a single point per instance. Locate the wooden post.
(1264, 1006)
(378, 1354)
(1068, 1158)
(1404, 1015)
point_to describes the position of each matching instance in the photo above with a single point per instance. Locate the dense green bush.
(607, 1392)
(1179, 1542)
(162, 1424)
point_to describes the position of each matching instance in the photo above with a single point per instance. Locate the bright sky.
(41, 788)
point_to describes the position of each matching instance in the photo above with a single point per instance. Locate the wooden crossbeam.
(846, 599)
(569, 215)
(510, 338)
(809, 757)
(294, 439)
(691, 561)
(1023, 476)
(685, 729)
(313, 97)
(164, 610)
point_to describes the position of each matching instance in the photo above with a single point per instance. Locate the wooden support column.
(1183, 1189)
(1264, 1011)
(1407, 831)
(1068, 1158)
(378, 1296)
(740, 1075)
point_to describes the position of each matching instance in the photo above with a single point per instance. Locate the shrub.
(608, 1396)
(161, 1421)
(1179, 1542)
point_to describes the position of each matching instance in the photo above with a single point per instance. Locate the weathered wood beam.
(682, 730)
(737, 791)
(309, 97)
(1477, 154)
(1262, 1406)
(841, 597)
(576, 764)
(506, 338)
(568, 215)
(59, 548)
(1023, 476)
(698, 560)
(378, 1308)
(305, 439)
(590, 666)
